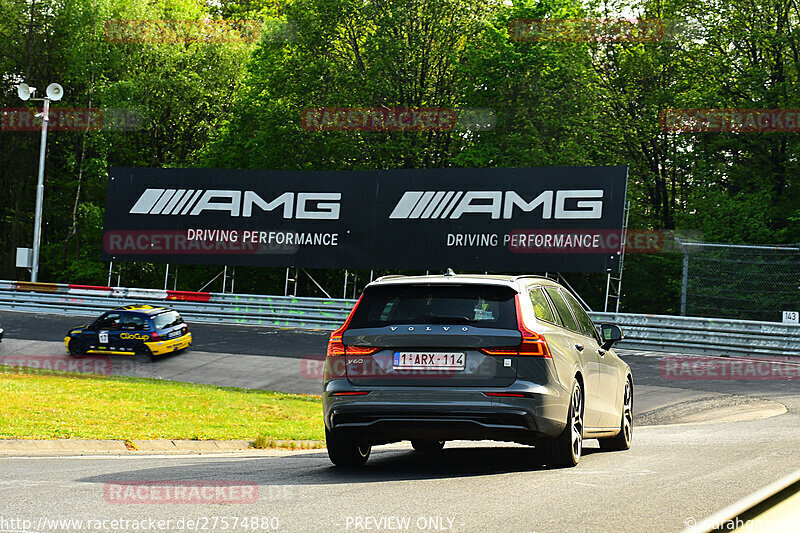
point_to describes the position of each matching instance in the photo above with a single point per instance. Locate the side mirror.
(611, 334)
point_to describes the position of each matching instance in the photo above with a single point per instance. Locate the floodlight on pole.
(54, 92)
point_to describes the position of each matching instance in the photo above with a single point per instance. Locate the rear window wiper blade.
(443, 319)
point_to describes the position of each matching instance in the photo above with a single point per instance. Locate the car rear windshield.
(167, 320)
(486, 306)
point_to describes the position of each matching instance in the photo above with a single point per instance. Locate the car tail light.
(335, 346)
(532, 345)
(154, 337)
(360, 350)
(351, 393)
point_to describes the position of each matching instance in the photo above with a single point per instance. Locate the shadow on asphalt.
(316, 469)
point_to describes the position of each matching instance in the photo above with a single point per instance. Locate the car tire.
(565, 449)
(425, 445)
(346, 450)
(622, 441)
(143, 354)
(76, 348)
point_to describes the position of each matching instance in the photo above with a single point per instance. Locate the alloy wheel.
(627, 413)
(577, 421)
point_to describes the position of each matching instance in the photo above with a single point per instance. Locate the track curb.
(25, 447)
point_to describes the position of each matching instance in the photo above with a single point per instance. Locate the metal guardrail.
(706, 336)
(252, 310)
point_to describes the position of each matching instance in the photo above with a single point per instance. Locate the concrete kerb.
(24, 447)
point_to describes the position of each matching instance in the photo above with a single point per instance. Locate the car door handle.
(579, 347)
(602, 352)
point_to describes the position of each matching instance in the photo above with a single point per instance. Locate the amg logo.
(453, 204)
(193, 202)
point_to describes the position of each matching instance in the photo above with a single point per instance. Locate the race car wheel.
(623, 439)
(143, 354)
(76, 348)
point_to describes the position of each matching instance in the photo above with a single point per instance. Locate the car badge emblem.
(446, 328)
(393, 328)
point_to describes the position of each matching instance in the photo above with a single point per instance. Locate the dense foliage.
(237, 105)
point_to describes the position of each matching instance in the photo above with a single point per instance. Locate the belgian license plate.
(429, 360)
(173, 334)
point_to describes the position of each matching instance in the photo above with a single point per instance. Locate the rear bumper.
(446, 413)
(172, 345)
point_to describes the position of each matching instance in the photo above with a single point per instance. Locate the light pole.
(54, 92)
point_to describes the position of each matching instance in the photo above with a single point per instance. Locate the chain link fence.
(740, 281)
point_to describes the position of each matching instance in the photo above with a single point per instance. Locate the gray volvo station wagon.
(469, 357)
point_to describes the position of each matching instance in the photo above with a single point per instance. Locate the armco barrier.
(247, 309)
(707, 336)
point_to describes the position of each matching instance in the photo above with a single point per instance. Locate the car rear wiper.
(443, 319)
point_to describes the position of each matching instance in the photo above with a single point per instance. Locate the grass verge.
(57, 405)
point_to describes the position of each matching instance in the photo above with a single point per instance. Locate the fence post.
(684, 277)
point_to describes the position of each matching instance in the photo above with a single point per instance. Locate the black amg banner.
(559, 219)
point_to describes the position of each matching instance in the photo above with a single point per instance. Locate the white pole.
(111, 264)
(224, 278)
(166, 276)
(37, 224)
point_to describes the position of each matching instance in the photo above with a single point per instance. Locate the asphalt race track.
(740, 438)
(278, 342)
